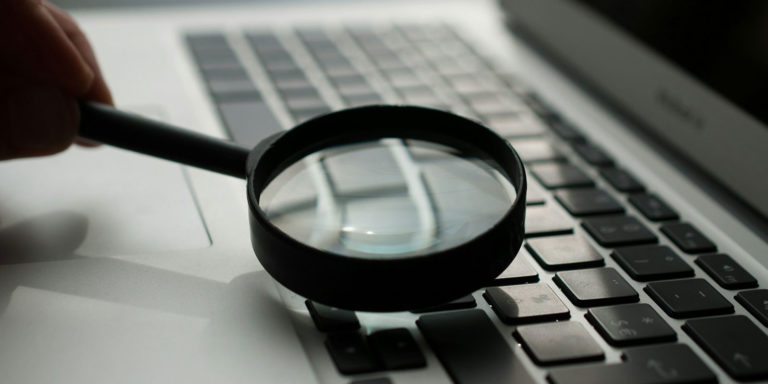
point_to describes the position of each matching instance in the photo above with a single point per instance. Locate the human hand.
(46, 65)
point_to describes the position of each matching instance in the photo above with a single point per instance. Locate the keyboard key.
(651, 262)
(618, 230)
(652, 207)
(536, 150)
(540, 107)
(735, 342)
(461, 303)
(556, 175)
(377, 380)
(206, 40)
(630, 324)
(396, 349)
(227, 89)
(558, 343)
(688, 238)
(621, 180)
(543, 220)
(330, 319)
(471, 349)
(566, 131)
(492, 103)
(659, 364)
(688, 298)
(302, 103)
(302, 115)
(350, 353)
(593, 287)
(756, 302)
(725, 271)
(592, 154)
(564, 252)
(526, 303)
(518, 272)
(248, 122)
(515, 124)
(590, 201)
(535, 194)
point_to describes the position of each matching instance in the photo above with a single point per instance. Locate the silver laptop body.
(129, 269)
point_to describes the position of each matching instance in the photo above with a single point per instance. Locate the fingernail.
(41, 119)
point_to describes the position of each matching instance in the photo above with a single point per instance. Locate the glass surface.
(387, 199)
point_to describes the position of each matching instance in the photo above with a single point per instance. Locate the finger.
(36, 120)
(34, 46)
(98, 90)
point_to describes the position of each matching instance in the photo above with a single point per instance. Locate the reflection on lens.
(387, 199)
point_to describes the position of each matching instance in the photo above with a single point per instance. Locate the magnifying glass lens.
(387, 199)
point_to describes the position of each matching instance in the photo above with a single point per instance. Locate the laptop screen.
(722, 44)
(692, 73)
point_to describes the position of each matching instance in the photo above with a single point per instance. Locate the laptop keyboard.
(263, 81)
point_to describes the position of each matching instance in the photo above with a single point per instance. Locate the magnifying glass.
(444, 221)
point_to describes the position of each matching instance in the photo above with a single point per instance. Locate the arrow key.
(735, 342)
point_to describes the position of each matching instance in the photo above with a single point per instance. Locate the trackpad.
(122, 203)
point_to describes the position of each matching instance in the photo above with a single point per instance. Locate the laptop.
(640, 123)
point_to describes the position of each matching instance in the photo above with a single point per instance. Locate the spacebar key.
(471, 349)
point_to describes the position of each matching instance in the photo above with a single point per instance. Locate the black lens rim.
(393, 284)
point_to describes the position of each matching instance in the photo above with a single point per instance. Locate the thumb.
(35, 121)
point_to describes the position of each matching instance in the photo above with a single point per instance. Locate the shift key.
(471, 349)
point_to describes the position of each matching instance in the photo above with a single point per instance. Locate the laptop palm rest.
(126, 203)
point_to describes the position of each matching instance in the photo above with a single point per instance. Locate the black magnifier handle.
(105, 124)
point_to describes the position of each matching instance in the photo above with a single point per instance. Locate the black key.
(651, 262)
(659, 364)
(590, 201)
(471, 349)
(688, 238)
(756, 302)
(350, 353)
(543, 220)
(592, 154)
(540, 107)
(564, 252)
(396, 349)
(518, 272)
(592, 287)
(630, 324)
(566, 131)
(536, 150)
(618, 230)
(558, 343)
(248, 122)
(725, 271)
(621, 180)
(377, 380)
(527, 303)
(330, 319)
(557, 175)
(735, 342)
(688, 298)
(652, 207)
(465, 302)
